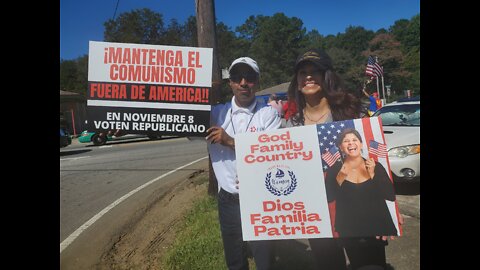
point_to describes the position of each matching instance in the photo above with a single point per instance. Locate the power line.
(116, 7)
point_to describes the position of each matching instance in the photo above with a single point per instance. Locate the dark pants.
(328, 254)
(365, 253)
(235, 248)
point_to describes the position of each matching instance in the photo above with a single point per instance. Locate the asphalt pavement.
(403, 253)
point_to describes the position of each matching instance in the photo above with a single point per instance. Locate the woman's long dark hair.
(343, 103)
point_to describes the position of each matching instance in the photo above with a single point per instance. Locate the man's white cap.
(245, 60)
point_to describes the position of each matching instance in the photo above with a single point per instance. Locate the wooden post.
(73, 123)
(206, 33)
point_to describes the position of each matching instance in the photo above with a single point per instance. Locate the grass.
(198, 244)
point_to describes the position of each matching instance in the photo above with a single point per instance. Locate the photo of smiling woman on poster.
(360, 187)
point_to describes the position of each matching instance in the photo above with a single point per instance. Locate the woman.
(319, 92)
(360, 187)
(321, 97)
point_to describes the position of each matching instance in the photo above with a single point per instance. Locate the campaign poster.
(282, 192)
(149, 89)
(289, 187)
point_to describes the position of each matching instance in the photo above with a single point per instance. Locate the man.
(242, 114)
(276, 103)
(378, 101)
(373, 101)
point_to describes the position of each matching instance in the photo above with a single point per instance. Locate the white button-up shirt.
(235, 120)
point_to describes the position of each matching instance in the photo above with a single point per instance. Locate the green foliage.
(315, 40)
(392, 58)
(142, 26)
(399, 29)
(229, 46)
(355, 40)
(173, 35)
(198, 244)
(413, 33)
(344, 64)
(412, 64)
(74, 75)
(190, 32)
(68, 71)
(407, 32)
(274, 42)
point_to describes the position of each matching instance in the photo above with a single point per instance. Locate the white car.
(401, 126)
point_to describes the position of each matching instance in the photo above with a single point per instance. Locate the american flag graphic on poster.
(371, 129)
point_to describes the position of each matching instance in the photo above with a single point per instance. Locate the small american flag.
(327, 136)
(373, 68)
(331, 155)
(377, 149)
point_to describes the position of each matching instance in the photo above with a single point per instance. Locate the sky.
(82, 21)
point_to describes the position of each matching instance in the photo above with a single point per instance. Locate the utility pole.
(384, 99)
(207, 38)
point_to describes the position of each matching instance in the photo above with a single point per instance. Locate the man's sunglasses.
(249, 77)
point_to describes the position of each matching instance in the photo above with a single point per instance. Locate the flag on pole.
(373, 68)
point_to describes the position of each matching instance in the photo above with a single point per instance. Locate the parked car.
(65, 138)
(94, 137)
(401, 126)
(100, 139)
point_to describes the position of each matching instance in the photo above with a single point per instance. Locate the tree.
(275, 44)
(249, 29)
(399, 29)
(228, 45)
(408, 33)
(355, 40)
(68, 72)
(391, 58)
(74, 75)
(347, 67)
(142, 26)
(411, 38)
(173, 34)
(411, 44)
(190, 32)
(314, 40)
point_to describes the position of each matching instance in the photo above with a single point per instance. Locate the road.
(94, 178)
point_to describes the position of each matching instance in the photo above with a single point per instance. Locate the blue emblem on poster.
(280, 183)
